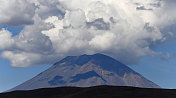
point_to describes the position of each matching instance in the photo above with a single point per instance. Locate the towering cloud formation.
(124, 29)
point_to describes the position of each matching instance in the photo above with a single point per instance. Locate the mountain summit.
(85, 71)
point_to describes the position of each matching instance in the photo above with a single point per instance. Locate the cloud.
(166, 56)
(6, 39)
(143, 8)
(61, 28)
(16, 12)
(48, 8)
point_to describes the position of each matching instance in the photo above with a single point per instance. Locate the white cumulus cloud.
(5, 39)
(16, 12)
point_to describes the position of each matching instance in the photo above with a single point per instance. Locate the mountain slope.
(85, 71)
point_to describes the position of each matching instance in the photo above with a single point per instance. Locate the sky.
(36, 34)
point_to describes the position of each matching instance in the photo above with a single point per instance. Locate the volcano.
(86, 71)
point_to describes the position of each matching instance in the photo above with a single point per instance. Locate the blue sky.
(11, 77)
(138, 33)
